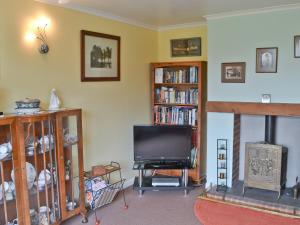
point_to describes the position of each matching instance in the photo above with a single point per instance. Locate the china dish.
(71, 205)
(6, 188)
(47, 141)
(5, 150)
(3, 156)
(31, 175)
(28, 103)
(44, 177)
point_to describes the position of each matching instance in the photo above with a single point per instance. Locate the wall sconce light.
(40, 33)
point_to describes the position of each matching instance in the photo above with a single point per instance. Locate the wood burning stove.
(266, 162)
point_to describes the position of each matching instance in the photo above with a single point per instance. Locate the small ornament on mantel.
(54, 100)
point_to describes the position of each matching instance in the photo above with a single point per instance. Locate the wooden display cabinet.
(41, 146)
(179, 95)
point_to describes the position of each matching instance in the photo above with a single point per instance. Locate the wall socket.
(266, 98)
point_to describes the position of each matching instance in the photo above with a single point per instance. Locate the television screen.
(162, 143)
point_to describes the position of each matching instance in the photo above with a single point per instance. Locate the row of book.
(174, 96)
(175, 115)
(165, 75)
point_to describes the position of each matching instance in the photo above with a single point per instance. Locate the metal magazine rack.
(100, 190)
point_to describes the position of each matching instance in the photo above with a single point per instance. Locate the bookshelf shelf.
(177, 85)
(176, 104)
(194, 127)
(179, 94)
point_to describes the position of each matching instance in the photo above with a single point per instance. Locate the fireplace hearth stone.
(265, 167)
(259, 198)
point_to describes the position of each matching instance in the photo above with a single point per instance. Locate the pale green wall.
(235, 39)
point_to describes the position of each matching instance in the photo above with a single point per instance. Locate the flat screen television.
(163, 143)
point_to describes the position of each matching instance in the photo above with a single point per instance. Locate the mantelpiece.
(254, 108)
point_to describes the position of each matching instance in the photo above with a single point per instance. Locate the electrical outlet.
(266, 98)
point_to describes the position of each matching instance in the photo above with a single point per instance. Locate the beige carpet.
(153, 208)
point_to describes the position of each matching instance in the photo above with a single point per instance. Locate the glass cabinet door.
(69, 125)
(8, 166)
(39, 146)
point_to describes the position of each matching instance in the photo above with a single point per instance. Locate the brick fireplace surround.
(249, 108)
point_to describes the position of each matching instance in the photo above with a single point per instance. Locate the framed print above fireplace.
(100, 57)
(266, 60)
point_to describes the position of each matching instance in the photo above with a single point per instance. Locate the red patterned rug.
(211, 212)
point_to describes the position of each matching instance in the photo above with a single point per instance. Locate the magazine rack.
(104, 195)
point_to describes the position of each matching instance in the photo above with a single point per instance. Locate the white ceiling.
(162, 13)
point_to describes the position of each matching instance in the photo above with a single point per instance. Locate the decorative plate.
(31, 174)
(42, 180)
(2, 156)
(6, 187)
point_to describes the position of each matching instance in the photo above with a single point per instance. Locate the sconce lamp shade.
(39, 33)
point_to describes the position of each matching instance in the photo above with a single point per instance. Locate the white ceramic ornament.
(54, 100)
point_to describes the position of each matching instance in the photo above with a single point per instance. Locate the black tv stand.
(161, 165)
(143, 183)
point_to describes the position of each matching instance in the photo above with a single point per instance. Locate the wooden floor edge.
(250, 207)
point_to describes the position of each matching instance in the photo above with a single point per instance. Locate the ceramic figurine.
(54, 100)
(67, 170)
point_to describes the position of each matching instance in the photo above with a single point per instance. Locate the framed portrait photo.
(297, 46)
(266, 60)
(233, 72)
(186, 47)
(100, 56)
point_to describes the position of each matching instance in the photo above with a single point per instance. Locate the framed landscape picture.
(100, 57)
(233, 72)
(266, 60)
(186, 47)
(297, 46)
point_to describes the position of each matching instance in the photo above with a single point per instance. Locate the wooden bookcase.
(179, 95)
(45, 145)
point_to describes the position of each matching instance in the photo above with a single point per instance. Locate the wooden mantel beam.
(254, 108)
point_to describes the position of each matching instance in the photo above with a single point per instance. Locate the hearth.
(266, 162)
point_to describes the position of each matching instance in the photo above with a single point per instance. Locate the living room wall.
(109, 108)
(235, 39)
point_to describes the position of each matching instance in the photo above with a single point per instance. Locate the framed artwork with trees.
(100, 57)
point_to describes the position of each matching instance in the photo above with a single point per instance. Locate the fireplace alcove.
(249, 126)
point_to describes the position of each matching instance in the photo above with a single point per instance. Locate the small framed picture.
(100, 57)
(297, 46)
(266, 60)
(186, 47)
(233, 72)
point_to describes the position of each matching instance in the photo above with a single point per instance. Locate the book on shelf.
(159, 75)
(175, 115)
(184, 75)
(176, 96)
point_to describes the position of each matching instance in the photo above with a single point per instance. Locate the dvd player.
(165, 181)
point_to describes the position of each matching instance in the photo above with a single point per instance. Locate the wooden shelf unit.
(183, 85)
(22, 131)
